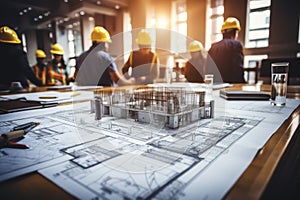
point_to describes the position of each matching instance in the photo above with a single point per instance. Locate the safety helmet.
(143, 38)
(40, 54)
(8, 35)
(57, 49)
(231, 23)
(100, 34)
(195, 46)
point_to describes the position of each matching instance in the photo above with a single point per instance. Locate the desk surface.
(250, 185)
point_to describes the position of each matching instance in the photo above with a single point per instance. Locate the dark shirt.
(15, 66)
(142, 65)
(40, 71)
(193, 70)
(94, 66)
(81, 57)
(228, 56)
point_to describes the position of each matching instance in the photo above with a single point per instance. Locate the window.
(258, 23)
(252, 61)
(215, 20)
(179, 26)
(74, 46)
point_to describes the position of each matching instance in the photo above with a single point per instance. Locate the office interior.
(270, 31)
(270, 28)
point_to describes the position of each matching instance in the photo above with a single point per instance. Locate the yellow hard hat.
(40, 54)
(100, 34)
(8, 35)
(143, 38)
(195, 46)
(57, 49)
(231, 23)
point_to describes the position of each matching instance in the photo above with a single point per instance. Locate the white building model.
(161, 106)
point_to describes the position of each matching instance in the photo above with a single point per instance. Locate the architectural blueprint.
(113, 157)
(44, 142)
(111, 168)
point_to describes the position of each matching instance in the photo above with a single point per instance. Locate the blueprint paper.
(116, 158)
(44, 141)
(53, 96)
(219, 162)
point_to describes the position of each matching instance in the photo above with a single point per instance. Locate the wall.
(137, 10)
(43, 41)
(284, 24)
(196, 19)
(238, 9)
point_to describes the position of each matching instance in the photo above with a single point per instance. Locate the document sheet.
(117, 158)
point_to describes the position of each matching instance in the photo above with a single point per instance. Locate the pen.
(75, 94)
(16, 134)
(7, 139)
(25, 126)
(47, 97)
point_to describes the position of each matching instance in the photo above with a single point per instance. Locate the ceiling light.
(20, 13)
(40, 17)
(98, 2)
(117, 7)
(29, 8)
(82, 13)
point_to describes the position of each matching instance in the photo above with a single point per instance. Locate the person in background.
(227, 54)
(57, 69)
(142, 64)
(15, 66)
(40, 68)
(194, 68)
(95, 66)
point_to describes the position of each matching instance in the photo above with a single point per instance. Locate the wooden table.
(251, 185)
(255, 179)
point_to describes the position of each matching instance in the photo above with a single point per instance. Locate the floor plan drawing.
(141, 152)
(131, 168)
(44, 141)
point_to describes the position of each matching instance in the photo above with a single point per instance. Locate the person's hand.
(71, 79)
(132, 81)
(141, 80)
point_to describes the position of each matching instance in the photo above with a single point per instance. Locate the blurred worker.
(194, 68)
(57, 69)
(95, 66)
(40, 68)
(142, 64)
(15, 66)
(227, 54)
